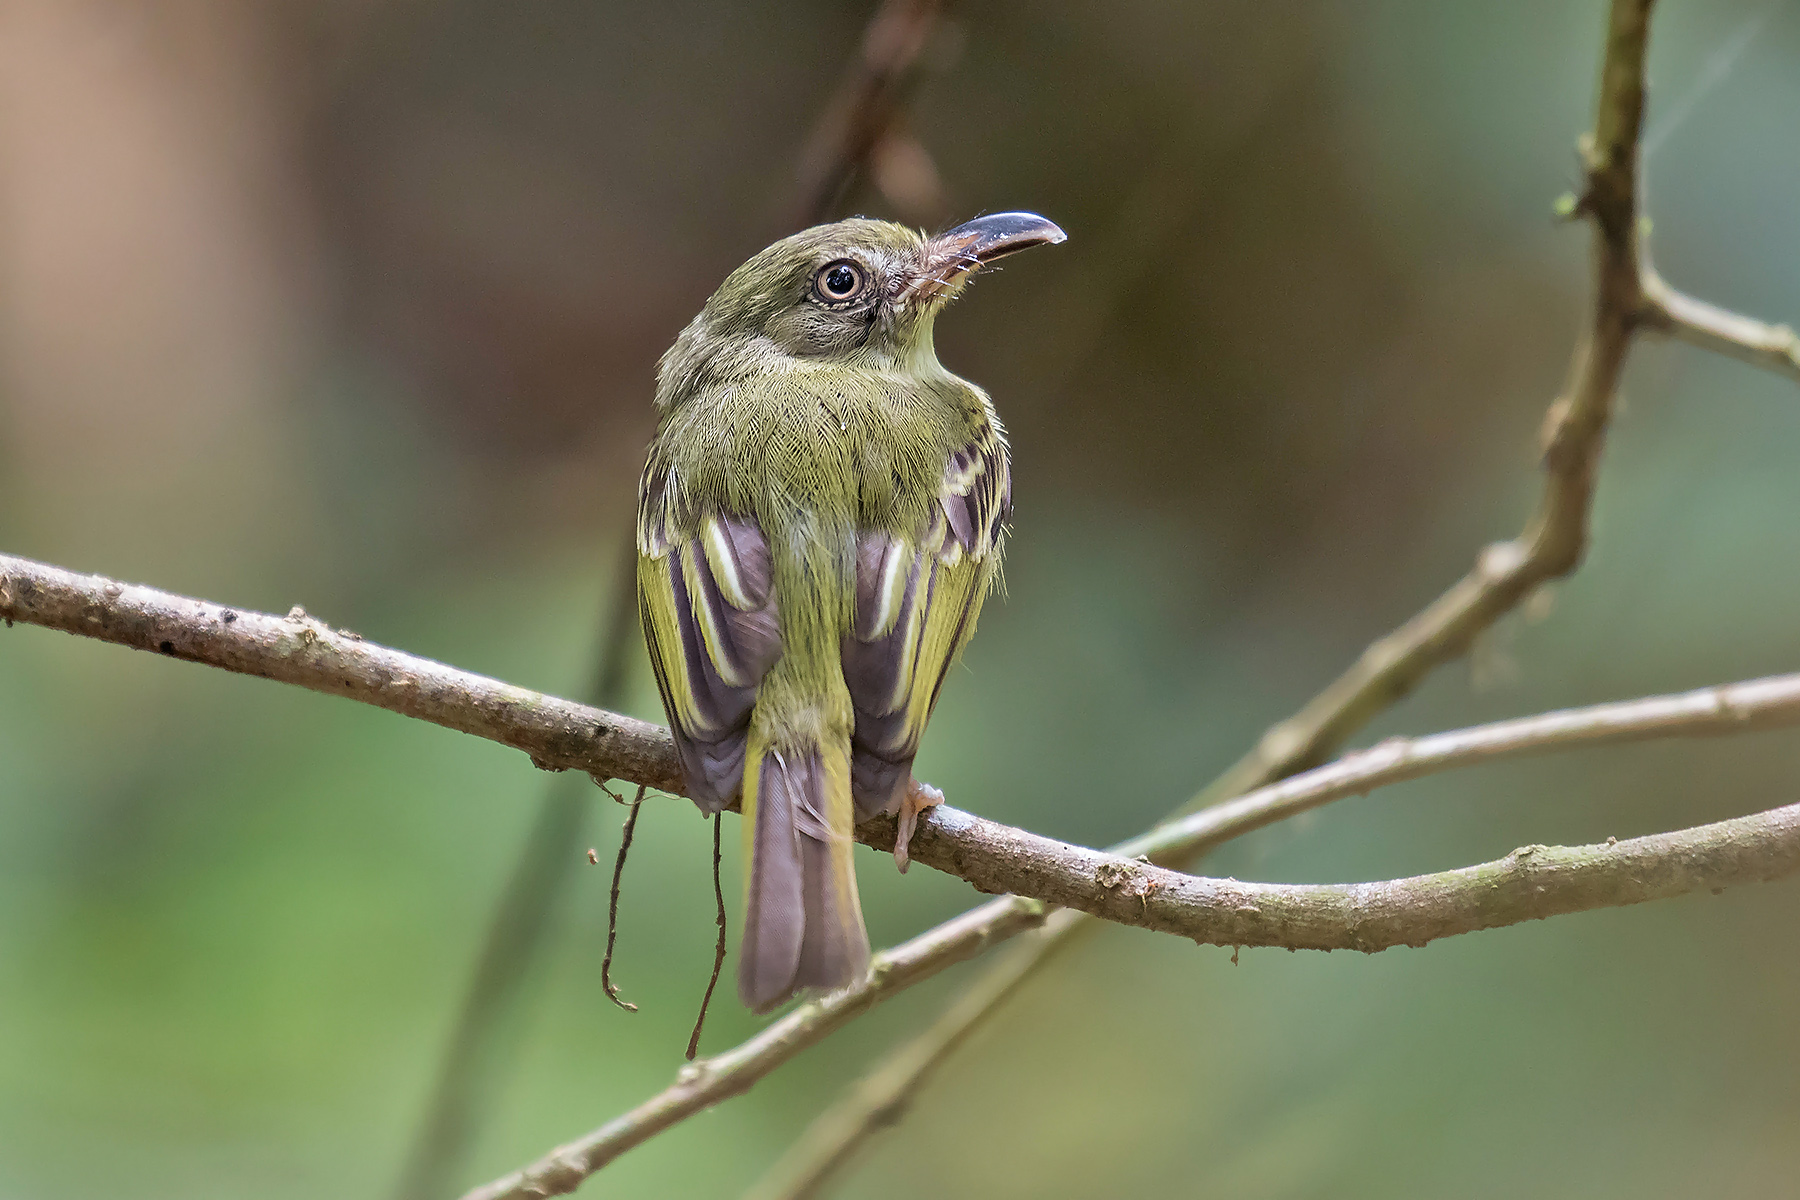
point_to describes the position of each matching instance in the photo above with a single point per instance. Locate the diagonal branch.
(1130, 892)
(1531, 883)
(1666, 310)
(1554, 539)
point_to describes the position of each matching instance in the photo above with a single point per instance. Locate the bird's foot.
(918, 798)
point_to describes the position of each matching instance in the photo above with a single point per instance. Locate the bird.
(821, 514)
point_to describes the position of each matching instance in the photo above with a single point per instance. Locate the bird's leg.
(918, 798)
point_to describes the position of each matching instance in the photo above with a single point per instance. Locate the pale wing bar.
(711, 622)
(916, 600)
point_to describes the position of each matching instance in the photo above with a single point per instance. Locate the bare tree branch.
(1732, 708)
(1410, 912)
(994, 856)
(700, 1085)
(1528, 884)
(298, 649)
(1772, 347)
(881, 1097)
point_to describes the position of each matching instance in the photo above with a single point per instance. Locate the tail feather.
(803, 924)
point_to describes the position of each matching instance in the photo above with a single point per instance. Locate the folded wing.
(707, 602)
(917, 599)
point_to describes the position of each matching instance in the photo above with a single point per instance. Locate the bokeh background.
(356, 305)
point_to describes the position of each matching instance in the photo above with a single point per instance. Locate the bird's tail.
(803, 925)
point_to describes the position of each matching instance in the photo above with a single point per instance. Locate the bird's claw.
(918, 798)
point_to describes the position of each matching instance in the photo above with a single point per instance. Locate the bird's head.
(861, 292)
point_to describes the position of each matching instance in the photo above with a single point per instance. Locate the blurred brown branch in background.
(863, 126)
(516, 930)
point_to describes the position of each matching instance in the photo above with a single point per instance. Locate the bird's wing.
(706, 598)
(917, 599)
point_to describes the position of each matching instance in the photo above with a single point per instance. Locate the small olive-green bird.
(821, 516)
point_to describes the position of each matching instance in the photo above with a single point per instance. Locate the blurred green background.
(356, 305)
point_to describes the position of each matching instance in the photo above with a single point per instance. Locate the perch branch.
(993, 857)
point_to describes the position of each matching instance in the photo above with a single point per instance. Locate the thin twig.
(1728, 709)
(612, 906)
(693, 1046)
(1680, 316)
(880, 1099)
(702, 1084)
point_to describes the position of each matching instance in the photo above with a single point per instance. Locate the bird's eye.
(839, 281)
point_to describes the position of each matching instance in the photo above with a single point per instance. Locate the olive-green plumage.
(820, 518)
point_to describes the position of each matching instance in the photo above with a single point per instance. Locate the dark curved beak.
(953, 254)
(996, 236)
